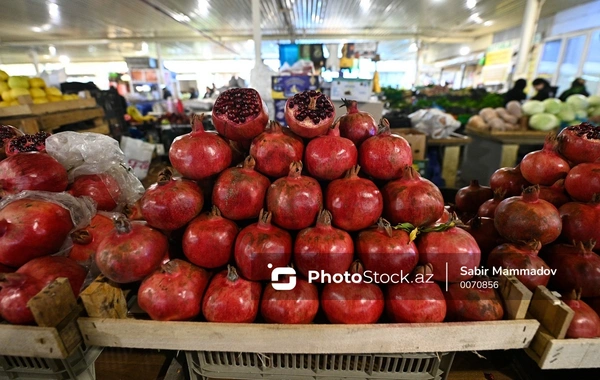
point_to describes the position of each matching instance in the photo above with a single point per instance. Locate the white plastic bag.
(434, 123)
(138, 154)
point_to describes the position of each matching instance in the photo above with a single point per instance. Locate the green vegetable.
(594, 101)
(581, 115)
(552, 106)
(532, 107)
(567, 113)
(579, 102)
(543, 122)
(594, 111)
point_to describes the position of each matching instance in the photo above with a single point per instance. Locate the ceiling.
(101, 30)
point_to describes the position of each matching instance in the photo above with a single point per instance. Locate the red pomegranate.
(87, 240)
(229, 298)
(26, 143)
(208, 240)
(134, 211)
(577, 267)
(7, 132)
(522, 256)
(295, 200)
(510, 180)
(352, 302)
(470, 198)
(555, 194)
(173, 292)
(583, 181)
(275, 149)
(200, 154)
(131, 251)
(412, 199)
(240, 114)
(328, 157)
(485, 234)
(476, 302)
(487, 208)
(296, 306)
(385, 250)
(579, 221)
(580, 143)
(419, 301)
(546, 166)
(32, 171)
(585, 322)
(384, 156)
(356, 125)
(240, 192)
(309, 114)
(355, 203)
(323, 248)
(446, 216)
(31, 228)
(102, 188)
(49, 268)
(171, 203)
(526, 217)
(15, 292)
(261, 247)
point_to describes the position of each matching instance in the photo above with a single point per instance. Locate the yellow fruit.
(3, 76)
(135, 114)
(40, 100)
(3, 87)
(16, 92)
(14, 103)
(4, 104)
(53, 91)
(53, 98)
(18, 82)
(6, 96)
(37, 93)
(37, 83)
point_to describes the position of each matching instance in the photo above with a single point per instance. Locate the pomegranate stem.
(123, 225)
(165, 176)
(232, 273)
(82, 237)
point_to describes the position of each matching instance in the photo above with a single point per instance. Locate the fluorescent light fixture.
(365, 4)
(488, 23)
(53, 11)
(47, 26)
(471, 4)
(52, 50)
(181, 17)
(464, 50)
(37, 29)
(475, 17)
(413, 47)
(64, 59)
(203, 7)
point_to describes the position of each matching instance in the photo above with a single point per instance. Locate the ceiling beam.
(287, 16)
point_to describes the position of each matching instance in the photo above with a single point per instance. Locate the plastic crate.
(78, 366)
(235, 365)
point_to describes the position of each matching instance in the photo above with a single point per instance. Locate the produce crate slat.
(50, 306)
(104, 299)
(56, 120)
(512, 137)
(516, 297)
(40, 109)
(552, 313)
(346, 339)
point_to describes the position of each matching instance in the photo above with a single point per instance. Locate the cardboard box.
(355, 89)
(283, 87)
(280, 111)
(416, 139)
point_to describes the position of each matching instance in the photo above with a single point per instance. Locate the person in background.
(517, 92)
(193, 93)
(166, 93)
(544, 90)
(577, 87)
(209, 92)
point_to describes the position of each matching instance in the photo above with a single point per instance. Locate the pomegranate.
(173, 292)
(15, 292)
(295, 200)
(49, 268)
(200, 154)
(26, 143)
(355, 302)
(580, 143)
(356, 125)
(7, 132)
(526, 217)
(446, 216)
(323, 248)
(134, 211)
(585, 322)
(582, 182)
(485, 234)
(385, 250)
(470, 198)
(229, 298)
(579, 221)
(102, 188)
(275, 149)
(240, 150)
(32, 171)
(384, 156)
(309, 114)
(546, 166)
(487, 208)
(577, 267)
(418, 301)
(296, 306)
(510, 180)
(555, 194)
(521, 256)
(355, 203)
(171, 203)
(477, 302)
(453, 247)
(260, 247)
(31, 228)
(131, 251)
(87, 240)
(208, 240)
(240, 114)
(240, 192)
(412, 199)
(328, 157)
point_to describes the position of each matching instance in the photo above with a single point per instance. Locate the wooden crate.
(56, 335)
(549, 349)
(26, 108)
(111, 326)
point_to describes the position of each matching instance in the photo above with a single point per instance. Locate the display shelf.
(41, 109)
(451, 157)
(521, 137)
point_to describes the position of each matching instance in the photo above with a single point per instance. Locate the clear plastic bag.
(434, 123)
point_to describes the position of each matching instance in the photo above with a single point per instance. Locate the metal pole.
(36, 61)
(527, 31)
(256, 32)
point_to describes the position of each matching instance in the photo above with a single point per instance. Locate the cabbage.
(543, 122)
(594, 111)
(594, 101)
(581, 114)
(567, 113)
(552, 106)
(531, 107)
(578, 101)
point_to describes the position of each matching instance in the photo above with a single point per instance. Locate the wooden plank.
(374, 338)
(552, 313)
(104, 299)
(30, 125)
(53, 304)
(450, 165)
(57, 120)
(102, 128)
(68, 331)
(43, 342)
(67, 105)
(571, 353)
(509, 155)
(455, 139)
(14, 111)
(512, 137)
(517, 297)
